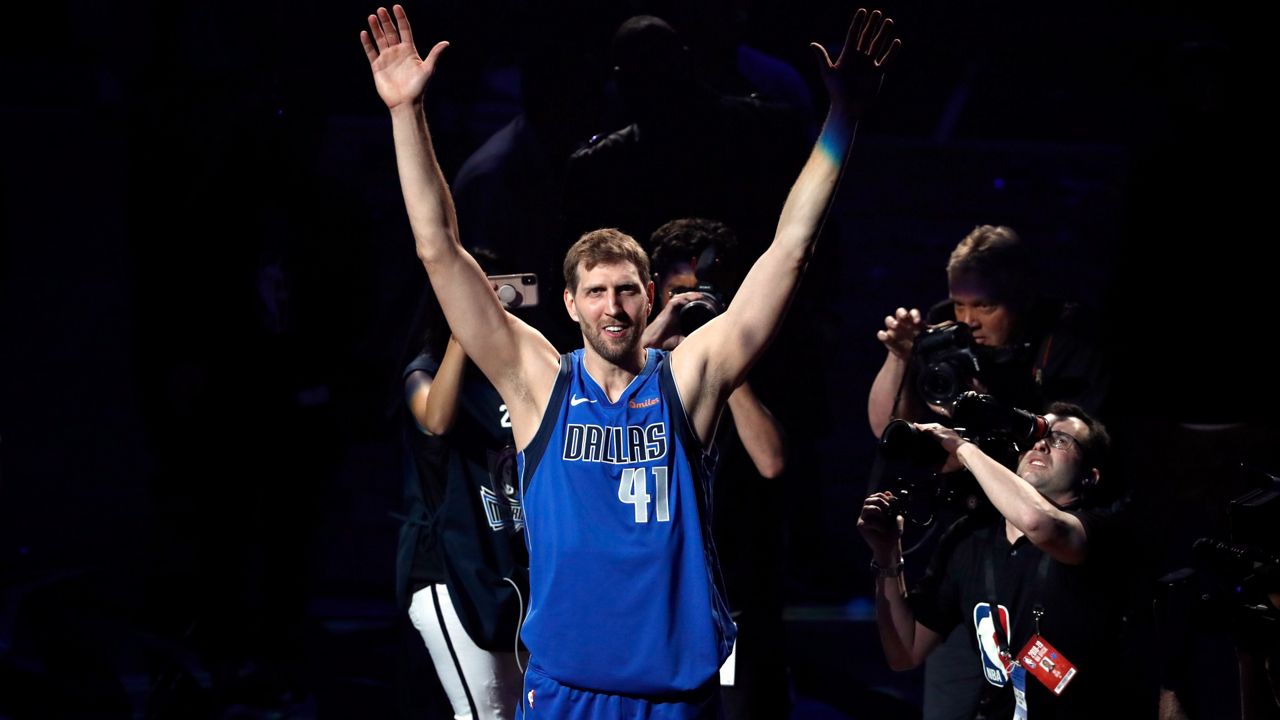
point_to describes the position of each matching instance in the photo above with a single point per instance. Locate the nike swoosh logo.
(575, 401)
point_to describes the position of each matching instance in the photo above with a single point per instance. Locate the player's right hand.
(399, 73)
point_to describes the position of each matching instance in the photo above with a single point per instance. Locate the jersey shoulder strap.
(550, 416)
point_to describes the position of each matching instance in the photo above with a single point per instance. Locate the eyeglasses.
(1059, 440)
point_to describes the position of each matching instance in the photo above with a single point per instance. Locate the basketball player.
(626, 616)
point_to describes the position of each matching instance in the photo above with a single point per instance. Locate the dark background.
(206, 279)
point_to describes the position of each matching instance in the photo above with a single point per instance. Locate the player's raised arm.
(716, 358)
(519, 362)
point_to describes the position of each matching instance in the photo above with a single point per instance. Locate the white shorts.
(481, 685)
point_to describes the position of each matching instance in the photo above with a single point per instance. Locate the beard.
(615, 350)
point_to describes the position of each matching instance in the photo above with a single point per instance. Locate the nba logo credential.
(994, 667)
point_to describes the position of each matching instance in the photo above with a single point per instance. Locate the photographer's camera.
(947, 361)
(699, 311)
(1002, 432)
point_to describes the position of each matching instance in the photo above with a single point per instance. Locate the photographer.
(696, 269)
(695, 264)
(1031, 351)
(1034, 350)
(1048, 569)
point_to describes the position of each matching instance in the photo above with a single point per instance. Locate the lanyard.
(989, 576)
(1017, 675)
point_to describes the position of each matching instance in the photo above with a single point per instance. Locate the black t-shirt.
(1085, 606)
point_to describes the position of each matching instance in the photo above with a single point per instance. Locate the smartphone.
(516, 291)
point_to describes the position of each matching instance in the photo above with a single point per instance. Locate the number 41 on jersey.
(633, 489)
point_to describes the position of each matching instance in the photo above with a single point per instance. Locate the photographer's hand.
(906, 642)
(881, 530)
(900, 331)
(663, 331)
(950, 441)
(898, 336)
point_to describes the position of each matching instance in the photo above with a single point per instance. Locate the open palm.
(853, 80)
(399, 73)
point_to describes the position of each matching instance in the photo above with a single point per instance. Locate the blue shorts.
(544, 698)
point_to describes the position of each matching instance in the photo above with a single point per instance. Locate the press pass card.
(1047, 665)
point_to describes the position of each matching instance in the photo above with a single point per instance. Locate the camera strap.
(1046, 664)
(1002, 639)
(1037, 369)
(897, 398)
(989, 576)
(991, 690)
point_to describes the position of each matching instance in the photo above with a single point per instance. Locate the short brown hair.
(1096, 450)
(998, 256)
(1097, 446)
(606, 245)
(685, 239)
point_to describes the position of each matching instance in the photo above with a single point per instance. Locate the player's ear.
(569, 305)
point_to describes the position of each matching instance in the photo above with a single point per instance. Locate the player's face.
(611, 306)
(991, 322)
(1054, 472)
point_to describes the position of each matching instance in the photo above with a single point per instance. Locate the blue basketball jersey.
(625, 590)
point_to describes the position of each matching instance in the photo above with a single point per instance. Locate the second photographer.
(997, 333)
(1040, 587)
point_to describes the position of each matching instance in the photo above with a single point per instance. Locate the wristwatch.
(893, 570)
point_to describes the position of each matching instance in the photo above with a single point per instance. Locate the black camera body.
(699, 311)
(920, 493)
(948, 362)
(1002, 432)
(994, 426)
(980, 419)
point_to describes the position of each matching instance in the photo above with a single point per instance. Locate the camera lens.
(983, 413)
(940, 384)
(901, 441)
(697, 313)
(947, 362)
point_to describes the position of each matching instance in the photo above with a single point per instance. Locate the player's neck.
(614, 377)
